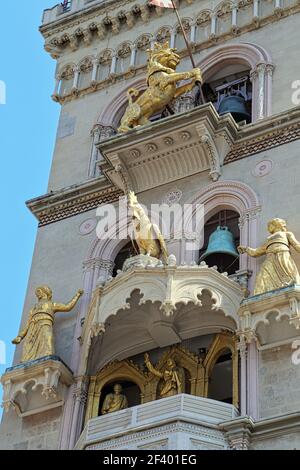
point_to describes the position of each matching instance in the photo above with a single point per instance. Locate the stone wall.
(279, 382)
(36, 432)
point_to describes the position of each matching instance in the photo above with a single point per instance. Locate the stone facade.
(194, 156)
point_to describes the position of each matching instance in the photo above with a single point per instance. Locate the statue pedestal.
(141, 261)
(36, 386)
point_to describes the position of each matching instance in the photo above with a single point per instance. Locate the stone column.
(113, 67)
(242, 348)
(255, 9)
(193, 33)
(93, 170)
(80, 391)
(55, 94)
(213, 28)
(234, 17)
(133, 56)
(76, 78)
(173, 38)
(252, 380)
(261, 69)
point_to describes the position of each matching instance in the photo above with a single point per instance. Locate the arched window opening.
(67, 80)
(143, 44)
(230, 91)
(224, 21)
(123, 58)
(203, 29)
(126, 252)
(128, 389)
(179, 39)
(104, 66)
(221, 238)
(220, 381)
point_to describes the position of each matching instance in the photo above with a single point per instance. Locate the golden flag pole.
(188, 46)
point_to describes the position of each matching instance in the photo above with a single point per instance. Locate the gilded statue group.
(172, 383)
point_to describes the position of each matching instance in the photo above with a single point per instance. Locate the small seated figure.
(38, 333)
(279, 269)
(115, 401)
(172, 377)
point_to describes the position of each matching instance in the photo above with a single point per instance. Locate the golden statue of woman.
(279, 269)
(172, 377)
(115, 401)
(38, 332)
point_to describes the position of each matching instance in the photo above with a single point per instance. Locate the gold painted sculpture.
(114, 401)
(279, 269)
(38, 332)
(162, 87)
(146, 234)
(172, 377)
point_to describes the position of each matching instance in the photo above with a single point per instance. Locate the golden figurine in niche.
(172, 377)
(146, 234)
(115, 401)
(279, 269)
(162, 80)
(38, 335)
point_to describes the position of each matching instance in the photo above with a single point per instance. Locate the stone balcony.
(180, 422)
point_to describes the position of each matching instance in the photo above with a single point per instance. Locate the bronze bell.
(221, 242)
(236, 105)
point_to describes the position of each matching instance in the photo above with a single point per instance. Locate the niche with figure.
(129, 393)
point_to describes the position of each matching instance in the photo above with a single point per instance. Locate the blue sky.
(28, 124)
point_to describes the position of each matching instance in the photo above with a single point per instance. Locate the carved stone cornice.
(72, 201)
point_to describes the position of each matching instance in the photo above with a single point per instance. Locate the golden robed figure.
(172, 377)
(279, 269)
(115, 401)
(162, 80)
(147, 235)
(37, 336)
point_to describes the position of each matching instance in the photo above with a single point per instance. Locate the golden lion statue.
(162, 87)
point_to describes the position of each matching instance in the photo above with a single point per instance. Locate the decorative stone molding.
(36, 386)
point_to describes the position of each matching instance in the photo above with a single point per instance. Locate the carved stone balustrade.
(36, 386)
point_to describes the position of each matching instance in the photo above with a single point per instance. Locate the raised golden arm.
(57, 307)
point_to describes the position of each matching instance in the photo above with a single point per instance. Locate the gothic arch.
(111, 115)
(236, 196)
